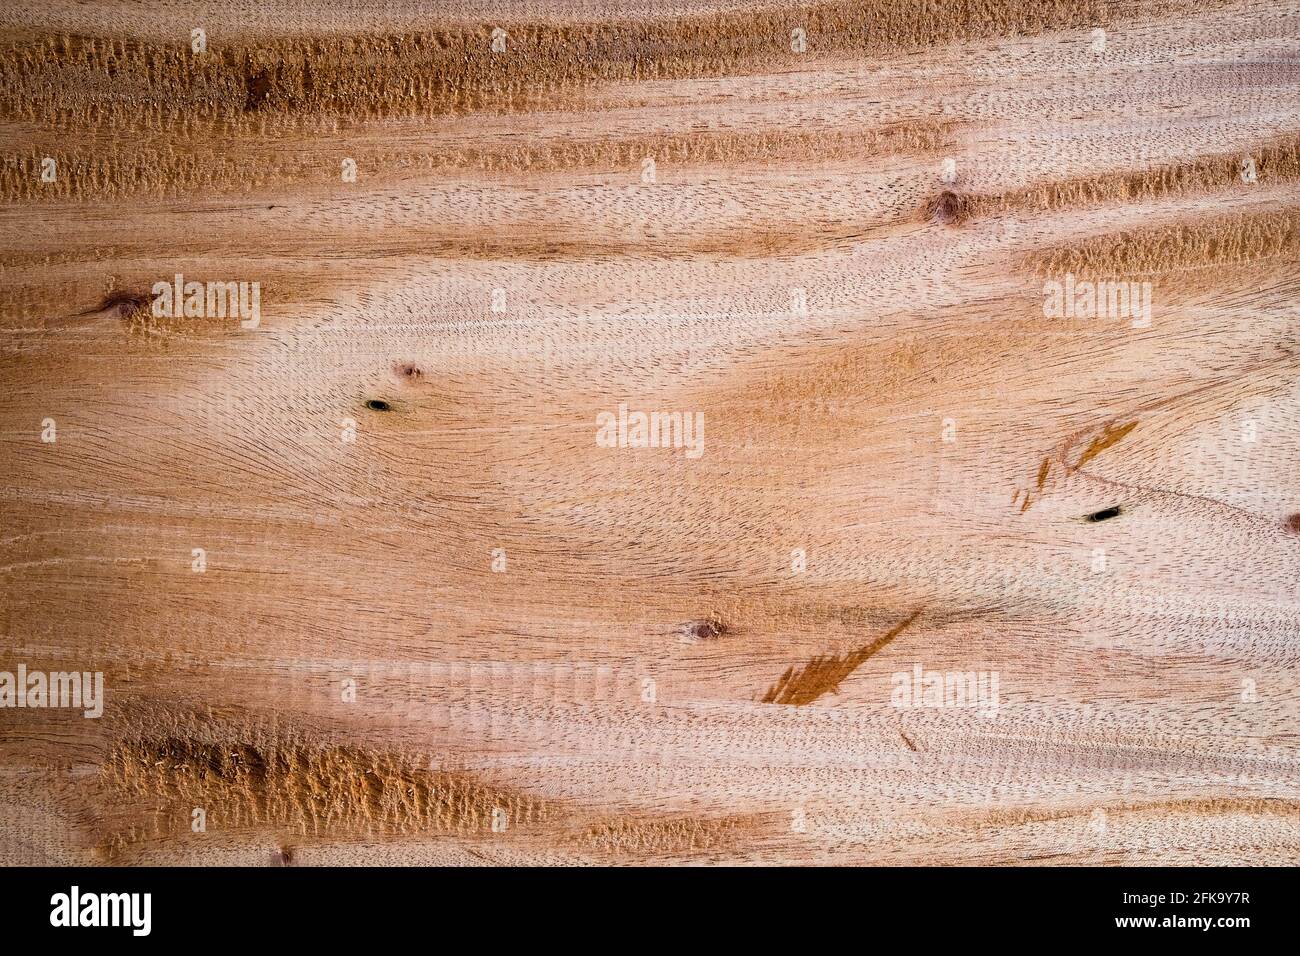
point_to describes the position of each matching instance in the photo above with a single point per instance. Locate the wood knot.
(947, 209)
(704, 629)
(408, 372)
(125, 304)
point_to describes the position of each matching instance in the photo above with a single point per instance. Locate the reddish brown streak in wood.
(1109, 436)
(823, 674)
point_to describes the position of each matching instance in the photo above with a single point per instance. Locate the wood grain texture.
(437, 620)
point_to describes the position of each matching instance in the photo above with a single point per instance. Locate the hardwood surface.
(439, 621)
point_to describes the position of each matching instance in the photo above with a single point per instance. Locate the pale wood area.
(653, 676)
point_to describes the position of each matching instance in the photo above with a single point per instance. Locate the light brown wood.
(433, 618)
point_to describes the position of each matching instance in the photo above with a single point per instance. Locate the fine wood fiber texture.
(962, 338)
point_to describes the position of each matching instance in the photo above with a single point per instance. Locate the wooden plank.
(947, 554)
